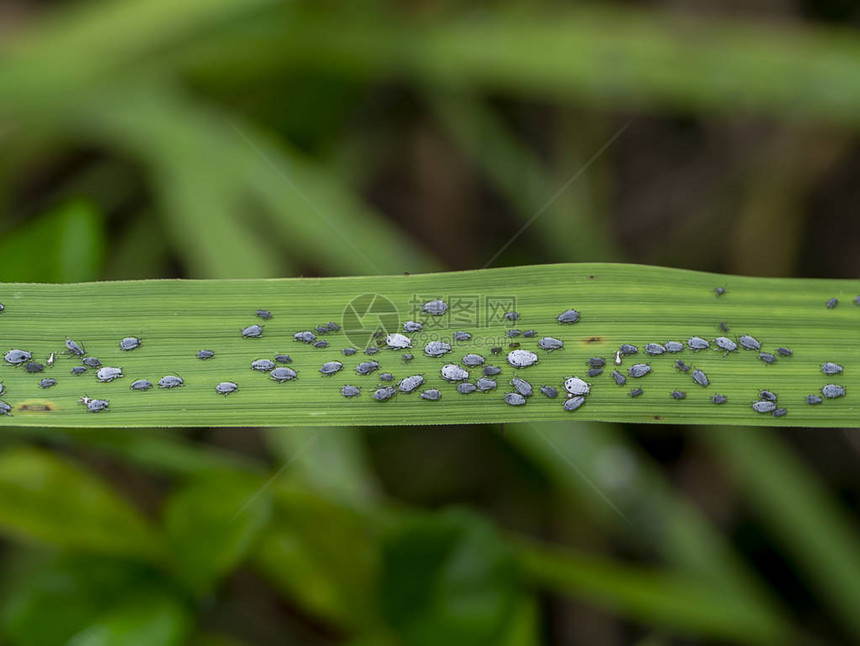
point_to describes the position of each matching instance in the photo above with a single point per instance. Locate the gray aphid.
(226, 387)
(831, 368)
(97, 405)
(334, 327)
(813, 399)
(371, 350)
(523, 387)
(263, 365)
(522, 358)
(386, 376)
(264, 314)
(462, 336)
(719, 291)
(453, 372)
(141, 384)
(573, 403)
(17, 357)
(514, 399)
(433, 395)
(638, 370)
(767, 357)
(33, 366)
(674, 346)
(767, 395)
(513, 333)
(78, 370)
(833, 302)
(784, 352)
(331, 367)
(322, 329)
(2, 388)
(512, 316)
(626, 349)
(411, 383)
(386, 392)
(636, 392)
(5, 409)
(366, 367)
(719, 399)
(129, 343)
(749, 342)
(697, 343)
(282, 374)
(619, 378)
(171, 381)
(436, 308)
(407, 356)
(348, 352)
(74, 348)
(350, 391)
(700, 378)
(252, 331)
(283, 358)
(569, 316)
(473, 360)
(724, 327)
(2, 308)
(779, 412)
(436, 348)
(654, 349)
(485, 384)
(466, 388)
(47, 382)
(576, 386)
(596, 362)
(549, 391)
(680, 365)
(491, 371)
(763, 406)
(677, 394)
(205, 354)
(322, 343)
(594, 372)
(832, 391)
(397, 341)
(91, 362)
(724, 343)
(412, 326)
(305, 336)
(529, 333)
(549, 343)
(107, 374)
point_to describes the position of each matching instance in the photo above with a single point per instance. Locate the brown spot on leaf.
(593, 339)
(658, 417)
(38, 406)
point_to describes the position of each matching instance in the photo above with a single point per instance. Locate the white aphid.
(522, 358)
(453, 372)
(397, 341)
(576, 386)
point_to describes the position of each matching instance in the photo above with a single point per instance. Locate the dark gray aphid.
(636, 392)
(549, 391)
(350, 391)
(573, 403)
(252, 332)
(779, 412)
(386, 392)
(513, 333)
(332, 326)
(305, 336)
(654, 349)
(205, 354)
(831, 368)
(749, 342)
(832, 391)
(529, 333)
(462, 336)
(453, 372)
(485, 384)
(74, 348)
(33, 367)
(348, 352)
(226, 387)
(514, 399)
(78, 370)
(719, 291)
(767, 395)
(596, 362)
(680, 365)
(763, 406)
(371, 351)
(626, 349)
(833, 302)
(435, 308)
(700, 378)
(432, 394)
(473, 360)
(569, 316)
(91, 362)
(322, 343)
(725, 343)
(719, 399)
(129, 343)
(674, 346)
(594, 372)
(283, 358)
(171, 381)
(331, 367)
(638, 370)
(724, 327)
(366, 367)
(813, 399)
(412, 326)
(784, 352)
(619, 378)
(523, 387)
(407, 356)
(697, 343)
(97, 405)
(512, 316)
(386, 376)
(282, 374)
(47, 382)
(522, 358)
(411, 383)
(263, 365)
(141, 384)
(436, 348)
(767, 357)
(677, 394)
(108, 374)
(513, 346)
(322, 329)
(496, 350)
(264, 314)
(466, 388)
(397, 341)
(17, 357)
(549, 343)
(5, 409)
(491, 371)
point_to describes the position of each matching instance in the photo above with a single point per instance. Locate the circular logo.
(367, 317)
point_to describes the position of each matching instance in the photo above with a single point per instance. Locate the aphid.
(576, 386)
(719, 291)
(411, 383)
(619, 378)
(618, 358)
(549, 391)
(5, 409)
(495, 350)
(141, 384)
(282, 374)
(305, 336)
(462, 336)
(17, 357)
(348, 352)
(767, 357)
(2, 308)
(763, 406)
(831, 368)
(322, 343)
(377, 334)
(263, 365)
(433, 395)
(74, 348)
(466, 388)
(386, 392)
(397, 341)
(50, 360)
(350, 391)
(371, 351)
(412, 326)
(33, 367)
(97, 405)
(513, 333)
(171, 381)
(435, 308)
(779, 412)
(832, 391)
(512, 316)
(407, 357)
(596, 362)
(129, 343)
(514, 399)
(453, 372)
(767, 395)
(485, 384)
(595, 372)
(491, 371)
(513, 346)
(529, 333)
(331, 367)
(47, 382)
(205, 354)
(636, 392)
(522, 358)
(386, 376)
(677, 394)
(674, 346)
(697, 343)
(573, 403)
(78, 370)
(813, 399)
(654, 349)
(680, 365)
(833, 302)
(523, 387)
(264, 314)
(549, 343)
(784, 352)
(626, 349)
(331, 325)
(2, 388)
(283, 358)
(436, 348)
(719, 399)
(226, 387)
(108, 374)
(252, 332)
(749, 343)
(91, 362)
(700, 378)
(366, 367)
(857, 300)
(322, 329)
(724, 343)
(724, 327)
(638, 370)
(569, 316)
(473, 360)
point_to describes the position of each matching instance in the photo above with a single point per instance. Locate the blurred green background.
(215, 138)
